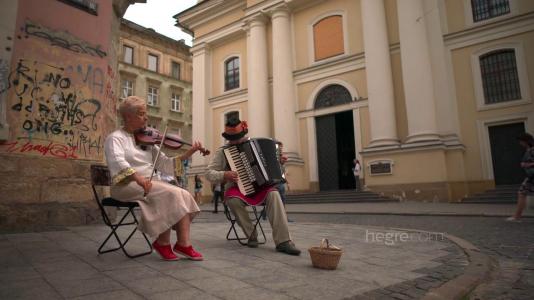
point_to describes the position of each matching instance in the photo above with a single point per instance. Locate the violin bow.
(157, 155)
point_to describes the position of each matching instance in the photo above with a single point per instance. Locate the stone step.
(342, 196)
(500, 195)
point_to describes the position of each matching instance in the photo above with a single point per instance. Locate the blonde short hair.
(131, 105)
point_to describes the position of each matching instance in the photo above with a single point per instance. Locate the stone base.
(432, 192)
(39, 217)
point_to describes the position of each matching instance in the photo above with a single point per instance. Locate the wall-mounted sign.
(380, 167)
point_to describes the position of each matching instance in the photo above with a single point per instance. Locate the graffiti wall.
(59, 86)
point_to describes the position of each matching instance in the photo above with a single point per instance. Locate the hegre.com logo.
(390, 238)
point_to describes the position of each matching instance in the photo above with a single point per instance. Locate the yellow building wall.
(392, 21)
(219, 22)
(400, 102)
(356, 78)
(219, 55)
(365, 129)
(302, 21)
(457, 17)
(467, 103)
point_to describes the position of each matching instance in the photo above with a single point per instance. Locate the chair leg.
(258, 223)
(122, 245)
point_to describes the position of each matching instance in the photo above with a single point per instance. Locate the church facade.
(428, 95)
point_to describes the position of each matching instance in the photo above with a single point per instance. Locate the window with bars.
(500, 79)
(152, 98)
(152, 62)
(487, 9)
(175, 70)
(127, 88)
(175, 102)
(128, 54)
(231, 74)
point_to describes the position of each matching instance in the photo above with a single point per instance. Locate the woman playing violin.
(163, 206)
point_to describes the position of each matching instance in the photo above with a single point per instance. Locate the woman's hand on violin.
(231, 176)
(143, 182)
(196, 146)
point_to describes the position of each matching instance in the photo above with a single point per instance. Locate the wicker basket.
(325, 256)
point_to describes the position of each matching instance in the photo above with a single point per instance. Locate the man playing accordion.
(235, 132)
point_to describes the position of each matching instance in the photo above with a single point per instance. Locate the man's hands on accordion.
(231, 176)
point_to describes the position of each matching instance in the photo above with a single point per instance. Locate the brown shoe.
(252, 242)
(288, 247)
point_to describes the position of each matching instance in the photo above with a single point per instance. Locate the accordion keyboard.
(239, 163)
(256, 163)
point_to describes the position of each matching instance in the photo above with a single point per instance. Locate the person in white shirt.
(356, 171)
(163, 206)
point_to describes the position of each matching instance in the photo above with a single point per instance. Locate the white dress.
(165, 204)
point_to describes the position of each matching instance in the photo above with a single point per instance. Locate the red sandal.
(188, 252)
(164, 251)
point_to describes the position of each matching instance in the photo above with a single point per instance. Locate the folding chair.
(257, 224)
(100, 177)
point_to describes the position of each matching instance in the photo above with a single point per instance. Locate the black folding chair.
(100, 177)
(256, 220)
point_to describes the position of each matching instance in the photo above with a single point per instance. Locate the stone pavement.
(377, 263)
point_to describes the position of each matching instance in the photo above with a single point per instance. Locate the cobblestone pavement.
(377, 263)
(511, 245)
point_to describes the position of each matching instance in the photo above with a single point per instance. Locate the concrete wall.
(60, 102)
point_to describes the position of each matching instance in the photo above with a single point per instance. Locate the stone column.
(284, 102)
(200, 98)
(379, 75)
(259, 111)
(417, 72)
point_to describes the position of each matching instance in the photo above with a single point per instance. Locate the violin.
(149, 136)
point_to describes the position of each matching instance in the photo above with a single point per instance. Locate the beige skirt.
(164, 206)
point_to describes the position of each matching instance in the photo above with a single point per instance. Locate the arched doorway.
(335, 140)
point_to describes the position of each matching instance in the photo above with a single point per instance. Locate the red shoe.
(188, 252)
(164, 251)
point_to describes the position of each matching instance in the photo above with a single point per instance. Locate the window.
(231, 114)
(175, 70)
(328, 37)
(231, 74)
(500, 79)
(153, 122)
(90, 6)
(127, 88)
(152, 98)
(175, 102)
(332, 95)
(487, 9)
(153, 62)
(128, 54)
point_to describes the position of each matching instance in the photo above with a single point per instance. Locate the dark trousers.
(217, 195)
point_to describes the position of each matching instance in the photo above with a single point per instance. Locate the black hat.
(234, 129)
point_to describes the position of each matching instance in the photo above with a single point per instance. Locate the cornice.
(151, 75)
(503, 28)
(207, 12)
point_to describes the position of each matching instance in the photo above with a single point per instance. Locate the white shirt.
(356, 169)
(123, 154)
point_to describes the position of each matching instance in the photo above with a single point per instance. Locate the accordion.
(257, 163)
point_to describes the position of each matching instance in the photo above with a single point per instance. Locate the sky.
(158, 15)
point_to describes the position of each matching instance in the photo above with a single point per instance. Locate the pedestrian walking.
(527, 187)
(217, 195)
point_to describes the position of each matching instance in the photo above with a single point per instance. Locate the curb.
(478, 270)
(407, 214)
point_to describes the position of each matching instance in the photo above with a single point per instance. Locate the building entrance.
(506, 153)
(335, 151)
